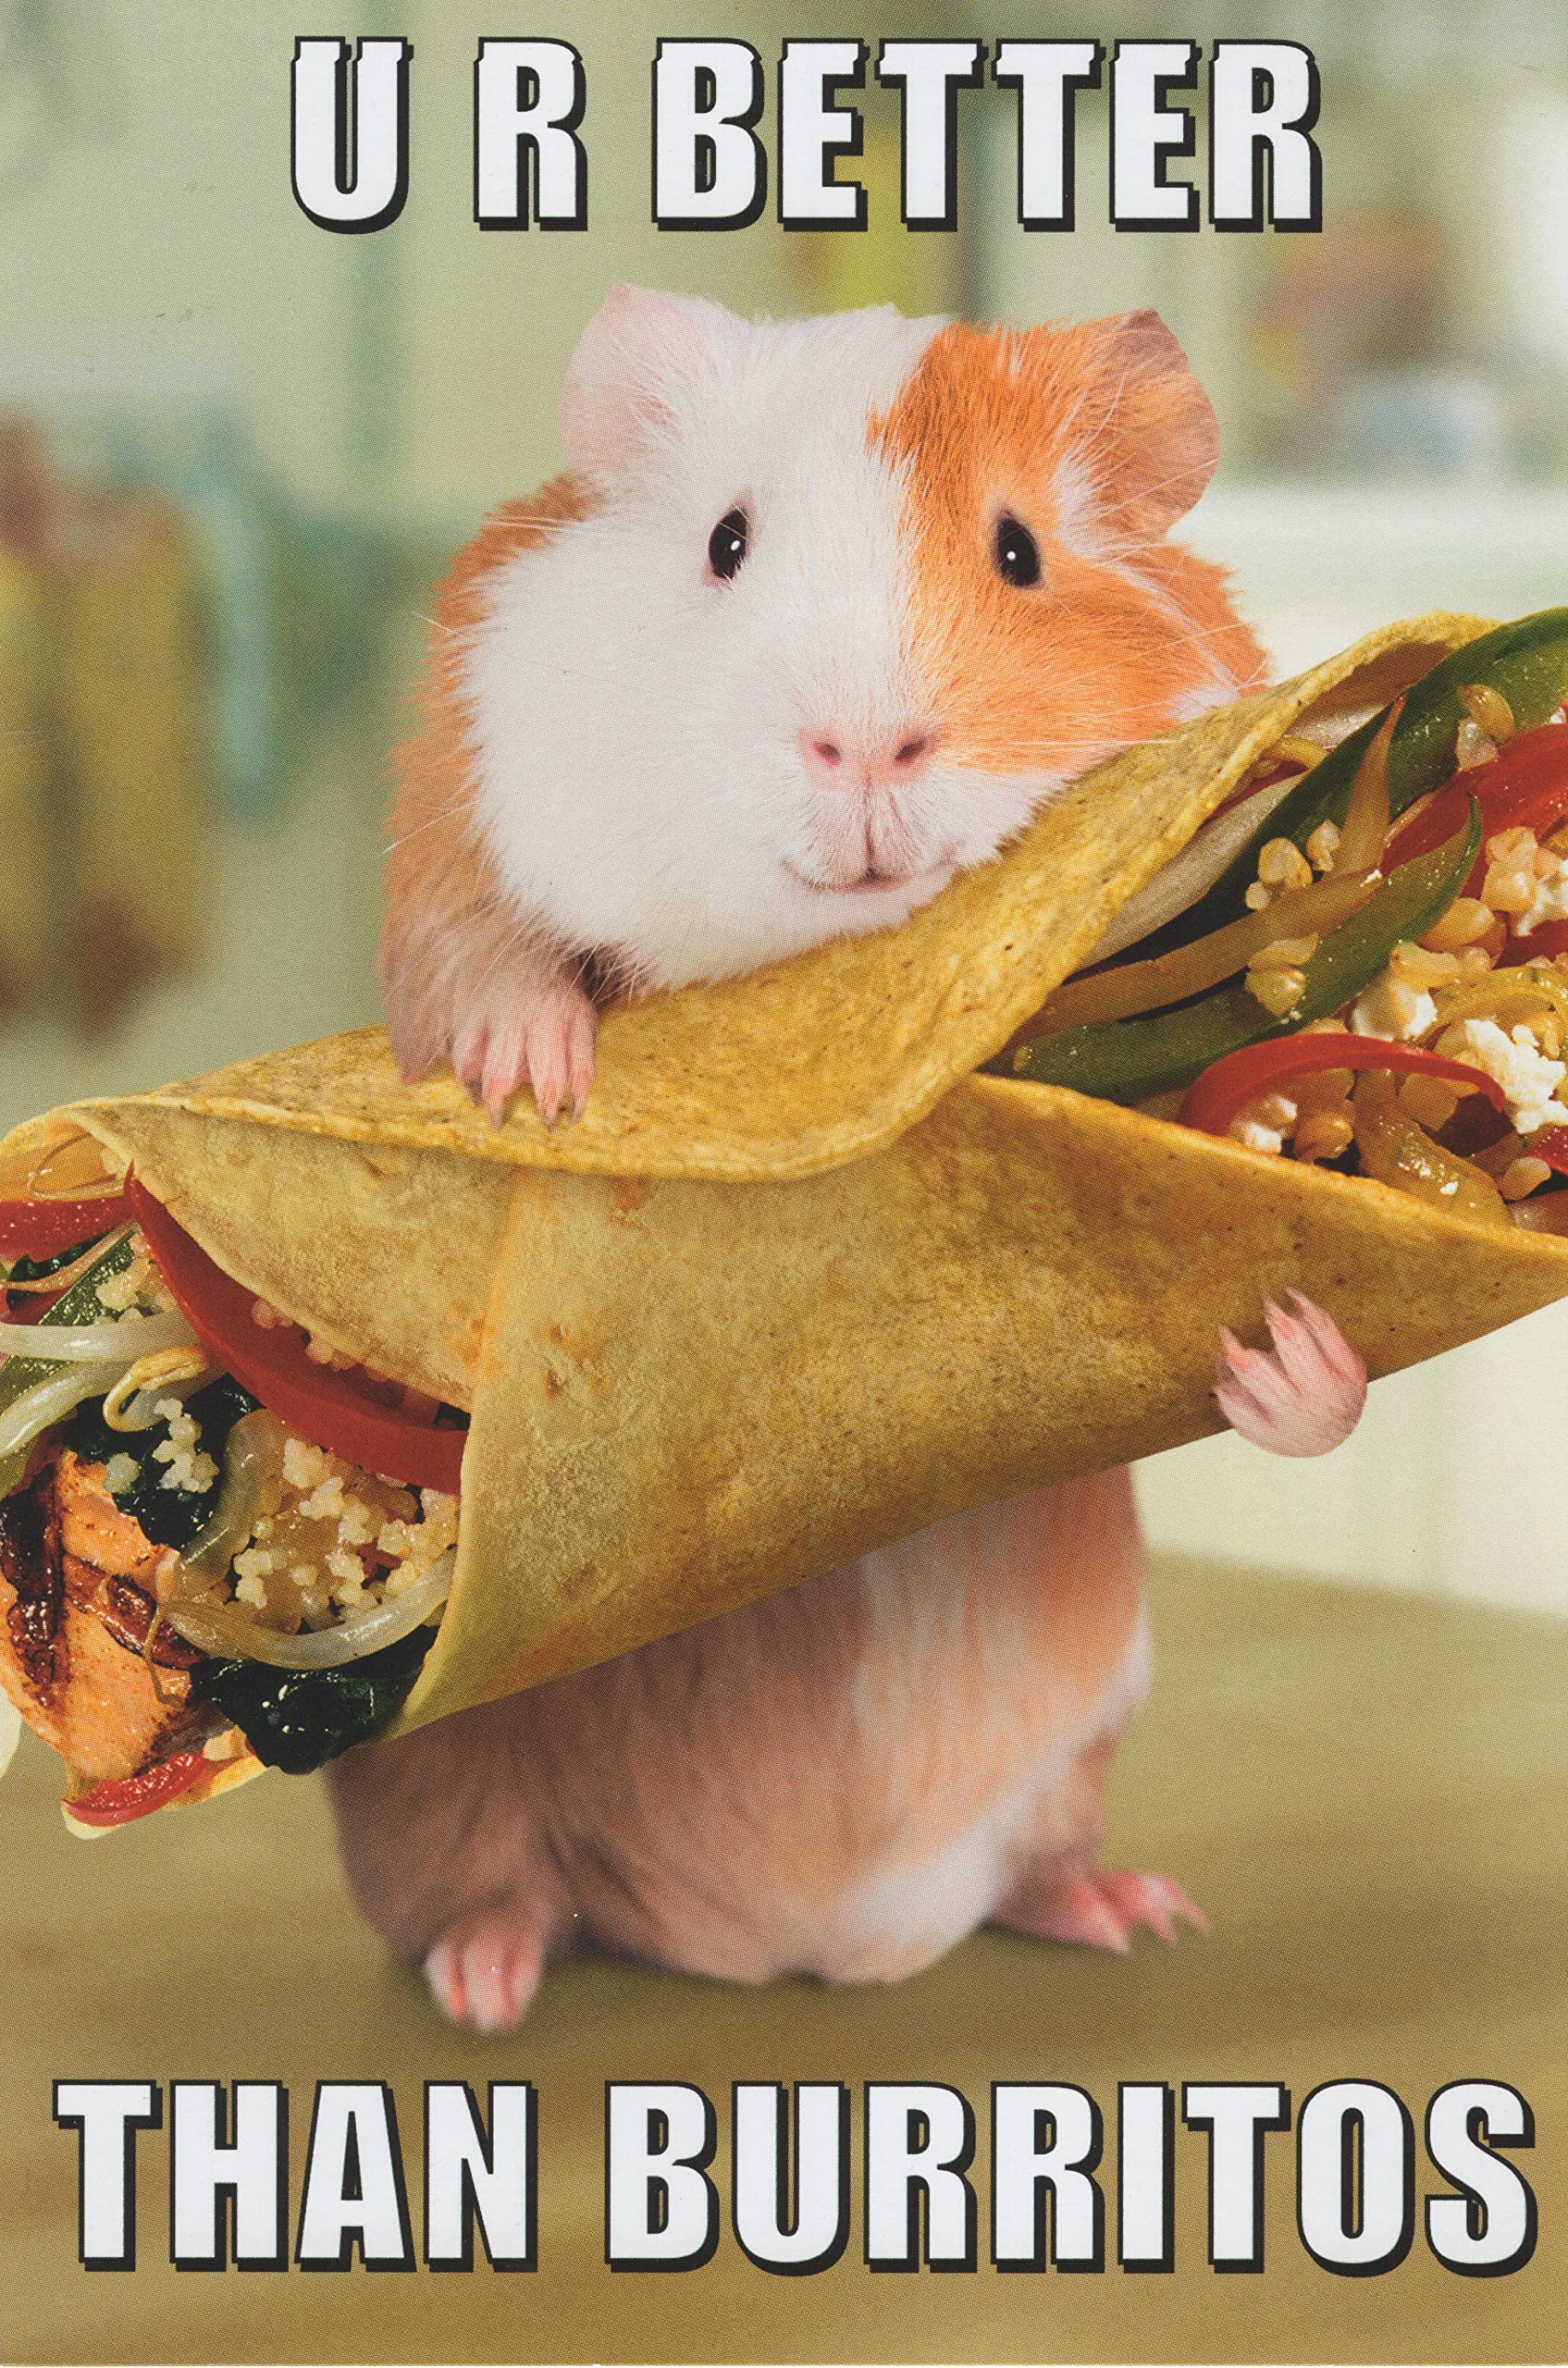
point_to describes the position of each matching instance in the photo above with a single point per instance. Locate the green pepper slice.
(1527, 661)
(1128, 1060)
(77, 1306)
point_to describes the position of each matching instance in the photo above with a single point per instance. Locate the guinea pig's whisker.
(447, 814)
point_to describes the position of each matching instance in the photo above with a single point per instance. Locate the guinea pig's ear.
(638, 364)
(1152, 438)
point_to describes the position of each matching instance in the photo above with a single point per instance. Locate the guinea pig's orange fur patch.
(1095, 437)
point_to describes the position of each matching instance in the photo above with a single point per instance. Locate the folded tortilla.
(801, 1281)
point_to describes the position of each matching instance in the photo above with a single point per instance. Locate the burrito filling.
(197, 1562)
(1363, 963)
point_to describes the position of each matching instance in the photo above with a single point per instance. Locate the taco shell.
(801, 1281)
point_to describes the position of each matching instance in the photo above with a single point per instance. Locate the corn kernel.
(1466, 921)
(1284, 954)
(1488, 710)
(1522, 1176)
(1282, 865)
(1324, 1135)
(1323, 846)
(1418, 967)
(1278, 990)
(1257, 897)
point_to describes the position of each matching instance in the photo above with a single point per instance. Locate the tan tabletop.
(1366, 1793)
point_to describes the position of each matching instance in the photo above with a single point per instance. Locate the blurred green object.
(333, 585)
(299, 602)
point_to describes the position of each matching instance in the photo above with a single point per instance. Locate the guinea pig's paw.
(1302, 1396)
(540, 1036)
(1154, 1901)
(1100, 1909)
(485, 1969)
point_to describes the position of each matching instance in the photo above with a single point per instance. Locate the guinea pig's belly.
(842, 1780)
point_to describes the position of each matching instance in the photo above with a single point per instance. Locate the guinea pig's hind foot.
(484, 1969)
(525, 1034)
(1301, 1396)
(1098, 1909)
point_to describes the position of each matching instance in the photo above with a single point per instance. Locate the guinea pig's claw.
(468, 1062)
(1100, 1908)
(484, 1971)
(544, 1039)
(1301, 1396)
(559, 1053)
(497, 1092)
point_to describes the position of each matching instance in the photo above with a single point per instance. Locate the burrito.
(820, 1264)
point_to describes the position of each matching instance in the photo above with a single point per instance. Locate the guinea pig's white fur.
(668, 812)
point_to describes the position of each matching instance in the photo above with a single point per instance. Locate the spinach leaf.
(297, 1720)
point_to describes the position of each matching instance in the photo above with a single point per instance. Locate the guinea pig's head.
(850, 597)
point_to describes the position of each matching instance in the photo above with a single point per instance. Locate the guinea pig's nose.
(881, 761)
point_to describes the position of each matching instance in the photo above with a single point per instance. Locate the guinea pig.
(824, 613)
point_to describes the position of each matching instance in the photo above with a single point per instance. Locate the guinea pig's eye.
(1017, 553)
(726, 545)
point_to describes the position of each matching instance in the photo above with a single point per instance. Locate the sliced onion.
(51, 1401)
(88, 1174)
(11, 1730)
(116, 1343)
(253, 1473)
(1366, 818)
(63, 1277)
(1191, 874)
(223, 1629)
(140, 1411)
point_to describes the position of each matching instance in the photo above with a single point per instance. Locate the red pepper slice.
(1524, 787)
(1550, 1144)
(1548, 943)
(120, 1798)
(1224, 1089)
(42, 1228)
(329, 1407)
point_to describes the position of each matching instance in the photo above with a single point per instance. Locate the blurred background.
(235, 451)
